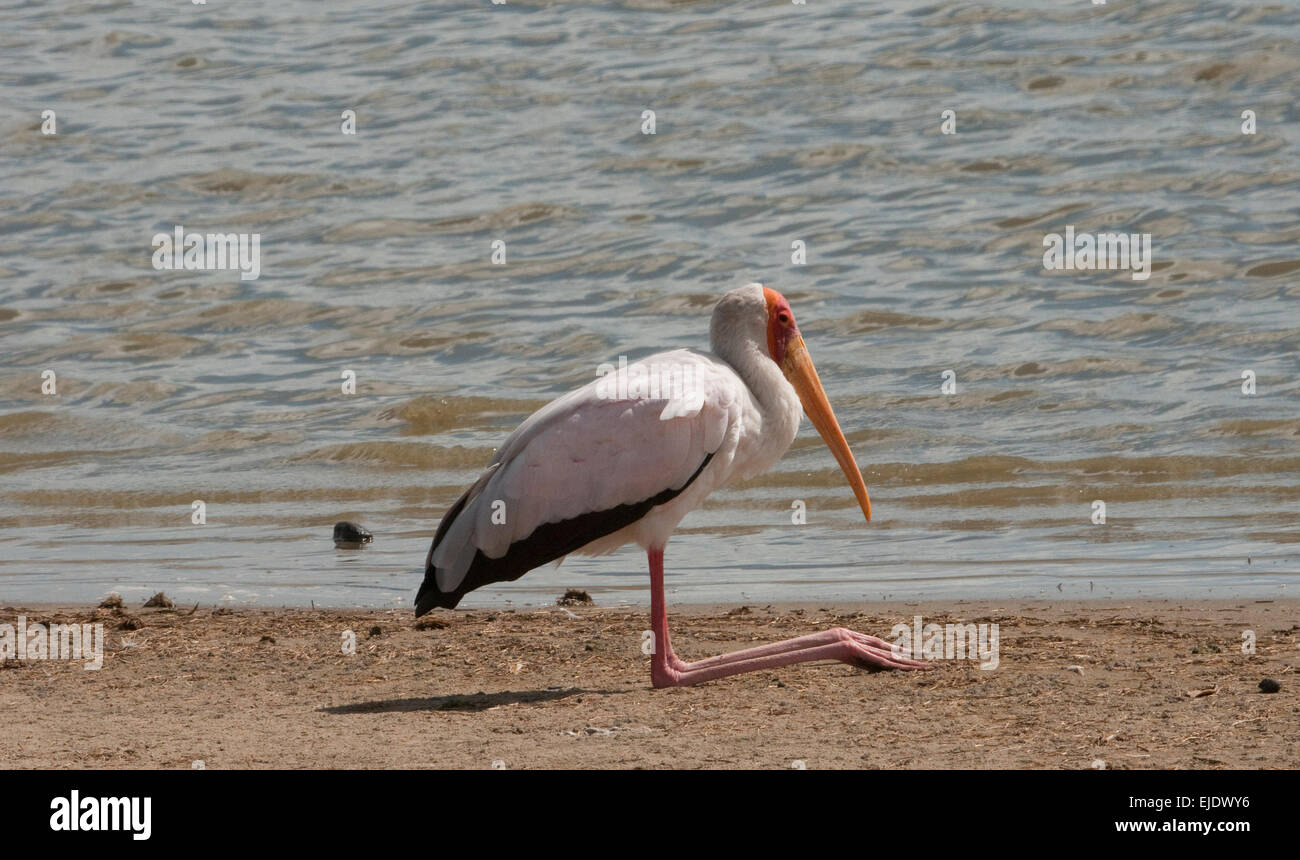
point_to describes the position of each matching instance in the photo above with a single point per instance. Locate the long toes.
(906, 661)
(901, 653)
(874, 641)
(877, 660)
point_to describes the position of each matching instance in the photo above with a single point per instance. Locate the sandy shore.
(252, 688)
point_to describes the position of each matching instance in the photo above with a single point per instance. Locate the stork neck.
(757, 370)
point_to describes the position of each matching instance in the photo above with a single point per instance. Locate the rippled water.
(774, 123)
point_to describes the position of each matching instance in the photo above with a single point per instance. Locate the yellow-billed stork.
(613, 463)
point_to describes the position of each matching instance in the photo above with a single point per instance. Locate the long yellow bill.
(798, 368)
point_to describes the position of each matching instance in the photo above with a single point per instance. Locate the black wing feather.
(547, 542)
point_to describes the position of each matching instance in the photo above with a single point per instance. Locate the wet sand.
(1119, 682)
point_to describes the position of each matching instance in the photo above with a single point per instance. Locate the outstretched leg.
(666, 670)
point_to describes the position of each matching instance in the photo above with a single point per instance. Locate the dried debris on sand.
(575, 597)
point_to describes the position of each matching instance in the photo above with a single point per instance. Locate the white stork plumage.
(612, 464)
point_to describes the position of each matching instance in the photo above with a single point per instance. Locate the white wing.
(581, 464)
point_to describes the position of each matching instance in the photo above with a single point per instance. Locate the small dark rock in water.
(1268, 685)
(159, 601)
(575, 597)
(351, 534)
(113, 601)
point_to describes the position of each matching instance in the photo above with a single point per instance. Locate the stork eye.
(784, 318)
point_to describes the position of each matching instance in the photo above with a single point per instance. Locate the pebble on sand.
(1268, 685)
(350, 534)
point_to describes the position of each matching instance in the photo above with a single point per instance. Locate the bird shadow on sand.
(464, 702)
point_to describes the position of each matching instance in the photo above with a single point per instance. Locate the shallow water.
(775, 123)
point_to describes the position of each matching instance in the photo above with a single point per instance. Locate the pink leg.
(666, 670)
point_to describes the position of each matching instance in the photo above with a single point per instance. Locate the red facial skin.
(781, 328)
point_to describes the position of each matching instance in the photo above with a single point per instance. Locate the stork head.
(786, 347)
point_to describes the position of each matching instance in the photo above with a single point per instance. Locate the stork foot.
(838, 643)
